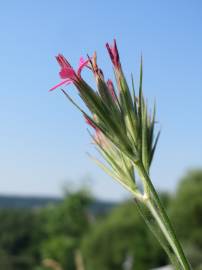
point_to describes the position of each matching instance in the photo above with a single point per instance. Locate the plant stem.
(156, 208)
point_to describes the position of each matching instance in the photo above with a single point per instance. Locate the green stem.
(156, 208)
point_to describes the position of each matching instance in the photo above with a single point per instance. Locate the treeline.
(70, 236)
(7, 201)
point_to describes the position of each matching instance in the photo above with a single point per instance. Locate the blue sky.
(43, 139)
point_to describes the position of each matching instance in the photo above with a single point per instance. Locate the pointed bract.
(114, 54)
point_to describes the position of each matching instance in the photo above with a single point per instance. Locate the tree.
(17, 230)
(186, 213)
(119, 238)
(64, 225)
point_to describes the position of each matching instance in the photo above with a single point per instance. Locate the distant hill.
(12, 201)
(31, 202)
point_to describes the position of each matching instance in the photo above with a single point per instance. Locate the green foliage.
(57, 231)
(61, 249)
(120, 236)
(69, 217)
(186, 213)
(29, 236)
(64, 226)
(186, 208)
(17, 239)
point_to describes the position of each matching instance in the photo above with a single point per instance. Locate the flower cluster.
(124, 129)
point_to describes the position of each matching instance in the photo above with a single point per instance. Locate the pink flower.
(82, 63)
(67, 73)
(114, 54)
(66, 82)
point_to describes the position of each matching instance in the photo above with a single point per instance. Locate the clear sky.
(43, 139)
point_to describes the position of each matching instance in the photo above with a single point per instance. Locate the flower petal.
(82, 63)
(67, 81)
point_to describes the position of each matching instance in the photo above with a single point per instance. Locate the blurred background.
(57, 209)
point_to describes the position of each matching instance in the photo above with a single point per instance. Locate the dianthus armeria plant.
(124, 134)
